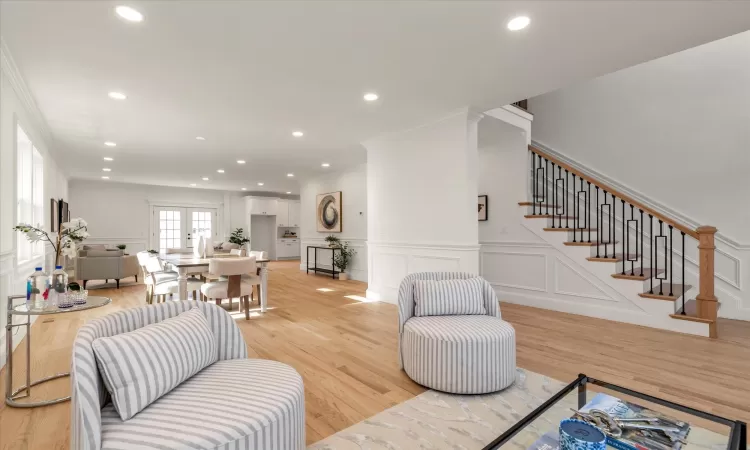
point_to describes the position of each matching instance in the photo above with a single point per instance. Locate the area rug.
(436, 420)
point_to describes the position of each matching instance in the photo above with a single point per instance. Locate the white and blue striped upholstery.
(239, 404)
(140, 366)
(89, 396)
(449, 297)
(464, 354)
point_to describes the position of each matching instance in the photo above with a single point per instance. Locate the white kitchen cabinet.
(287, 248)
(294, 214)
(282, 213)
(262, 206)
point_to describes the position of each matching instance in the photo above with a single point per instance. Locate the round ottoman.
(460, 354)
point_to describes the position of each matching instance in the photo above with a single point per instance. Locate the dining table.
(187, 263)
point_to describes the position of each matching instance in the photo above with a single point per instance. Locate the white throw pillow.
(141, 366)
(449, 297)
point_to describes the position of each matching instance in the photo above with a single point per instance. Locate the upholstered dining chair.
(154, 274)
(237, 252)
(451, 336)
(237, 278)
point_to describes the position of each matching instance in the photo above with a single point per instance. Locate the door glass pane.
(202, 225)
(169, 229)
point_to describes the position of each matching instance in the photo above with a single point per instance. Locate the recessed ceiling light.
(129, 14)
(370, 97)
(117, 95)
(200, 138)
(325, 165)
(110, 144)
(244, 189)
(290, 174)
(204, 178)
(193, 185)
(298, 134)
(240, 161)
(260, 184)
(519, 23)
(105, 178)
(107, 158)
(220, 170)
(107, 169)
(289, 192)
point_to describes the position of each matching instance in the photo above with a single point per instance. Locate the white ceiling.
(245, 74)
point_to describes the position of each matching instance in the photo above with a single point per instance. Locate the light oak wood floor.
(345, 349)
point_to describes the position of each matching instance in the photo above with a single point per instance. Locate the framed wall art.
(482, 208)
(329, 212)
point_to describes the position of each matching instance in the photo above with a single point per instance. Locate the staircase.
(636, 250)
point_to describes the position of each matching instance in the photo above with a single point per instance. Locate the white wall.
(18, 107)
(118, 213)
(673, 133)
(353, 186)
(422, 202)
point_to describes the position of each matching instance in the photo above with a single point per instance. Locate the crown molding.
(16, 80)
(640, 196)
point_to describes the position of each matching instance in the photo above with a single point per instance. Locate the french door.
(177, 227)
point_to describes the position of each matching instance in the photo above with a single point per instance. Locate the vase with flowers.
(64, 244)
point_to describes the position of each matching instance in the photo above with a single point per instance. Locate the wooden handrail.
(687, 230)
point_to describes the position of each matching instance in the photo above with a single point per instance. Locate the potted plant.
(343, 258)
(65, 243)
(333, 241)
(121, 246)
(238, 237)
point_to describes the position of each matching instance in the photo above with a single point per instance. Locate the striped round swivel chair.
(234, 403)
(460, 354)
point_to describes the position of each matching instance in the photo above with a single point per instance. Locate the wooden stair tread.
(547, 216)
(538, 204)
(570, 229)
(585, 244)
(616, 258)
(647, 273)
(676, 290)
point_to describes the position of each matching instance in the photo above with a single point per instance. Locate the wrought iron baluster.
(588, 212)
(624, 225)
(643, 260)
(559, 213)
(683, 273)
(671, 260)
(567, 200)
(612, 226)
(601, 233)
(598, 233)
(546, 169)
(554, 195)
(533, 181)
(651, 249)
(656, 254)
(575, 208)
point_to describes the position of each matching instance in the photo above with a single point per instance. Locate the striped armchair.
(233, 403)
(460, 354)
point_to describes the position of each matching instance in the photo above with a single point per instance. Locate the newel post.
(706, 301)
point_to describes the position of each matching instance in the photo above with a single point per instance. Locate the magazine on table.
(635, 439)
(631, 439)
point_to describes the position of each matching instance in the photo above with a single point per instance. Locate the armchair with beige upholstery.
(96, 264)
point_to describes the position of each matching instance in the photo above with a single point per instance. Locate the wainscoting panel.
(515, 269)
(571, 281)
(391, 262)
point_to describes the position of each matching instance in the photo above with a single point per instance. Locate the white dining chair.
(238, 276)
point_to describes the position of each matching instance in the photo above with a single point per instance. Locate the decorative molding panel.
(570, 281)
(517, 270)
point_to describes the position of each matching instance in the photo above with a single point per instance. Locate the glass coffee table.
(707, 431)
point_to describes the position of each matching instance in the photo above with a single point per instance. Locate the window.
(169, 229)
(30, 192)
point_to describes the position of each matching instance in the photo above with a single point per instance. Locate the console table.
(315, 267)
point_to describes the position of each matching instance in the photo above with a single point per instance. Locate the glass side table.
(24, 391)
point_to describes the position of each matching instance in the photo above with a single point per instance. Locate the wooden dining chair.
(237, 279)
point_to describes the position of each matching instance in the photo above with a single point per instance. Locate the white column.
(422, 202)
